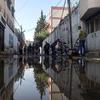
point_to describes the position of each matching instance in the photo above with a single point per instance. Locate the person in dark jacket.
(46, 48)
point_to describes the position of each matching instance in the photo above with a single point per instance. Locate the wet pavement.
(49, 78)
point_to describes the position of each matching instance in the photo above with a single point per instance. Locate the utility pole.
(71, 41)
(70, 24)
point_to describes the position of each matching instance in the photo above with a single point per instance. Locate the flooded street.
(49, 78)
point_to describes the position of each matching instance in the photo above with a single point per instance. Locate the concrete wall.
(75, 23)
(15, 43)
(89, 12)
(62, 31)
(86, 8)
(6, 38)
(10, 39)
(93, 41)
(9, 35)
(52, 37)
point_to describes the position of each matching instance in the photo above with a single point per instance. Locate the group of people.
(59, 48)
(46, 48)
(56, 48)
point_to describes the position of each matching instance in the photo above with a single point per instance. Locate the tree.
(41, 79)
(41, 28)
(41, 35)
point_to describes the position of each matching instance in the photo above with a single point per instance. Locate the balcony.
(89, 8)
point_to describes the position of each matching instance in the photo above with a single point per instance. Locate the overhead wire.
(17, 22)
(58, 2)
(74, 3)
(23, 7)
(31, 29)
(24, 4)
(48, 13)
(55, 5)
(28, 30)
(63, 9)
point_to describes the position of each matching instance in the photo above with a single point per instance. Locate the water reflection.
(74, 80)
(22, 79)
(8, 69)
(48, 78)
(46, 62)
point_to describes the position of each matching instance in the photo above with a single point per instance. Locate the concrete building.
(90, 17)
(86, 15)
(55, 16)
(62, 31)
(8, 39)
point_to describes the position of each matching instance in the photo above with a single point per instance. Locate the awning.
(90, 12)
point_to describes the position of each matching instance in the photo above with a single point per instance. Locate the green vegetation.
(41, 29)
(41, 79)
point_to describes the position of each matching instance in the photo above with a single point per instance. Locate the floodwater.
(49, 78)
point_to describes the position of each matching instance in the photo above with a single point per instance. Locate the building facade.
(90, 17)
(8, 39)
(56, 14)
(62, 31)
(86, 15)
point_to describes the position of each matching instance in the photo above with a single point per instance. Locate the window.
(97, 24)
(92, 26)
(10, 40)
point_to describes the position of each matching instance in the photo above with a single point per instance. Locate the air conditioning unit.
(2, 19)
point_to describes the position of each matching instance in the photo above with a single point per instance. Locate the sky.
(27, 12)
